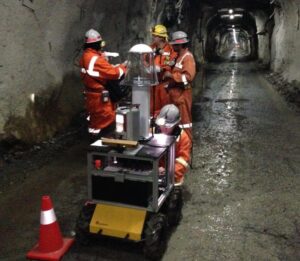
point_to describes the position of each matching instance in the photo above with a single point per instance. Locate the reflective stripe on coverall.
(95, 71)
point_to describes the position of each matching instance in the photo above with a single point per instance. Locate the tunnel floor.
(242, 197)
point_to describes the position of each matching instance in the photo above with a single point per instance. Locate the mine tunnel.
(241, 192)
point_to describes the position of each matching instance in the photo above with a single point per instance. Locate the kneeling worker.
(168, 121)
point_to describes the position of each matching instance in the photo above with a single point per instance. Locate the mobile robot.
(128, 197)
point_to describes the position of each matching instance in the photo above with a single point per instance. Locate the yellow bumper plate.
(118, 222)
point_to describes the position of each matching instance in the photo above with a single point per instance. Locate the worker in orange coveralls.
(164, 59)
(95, 72)
(168, 120)
(181, 77)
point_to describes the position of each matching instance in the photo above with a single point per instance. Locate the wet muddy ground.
(242, 197)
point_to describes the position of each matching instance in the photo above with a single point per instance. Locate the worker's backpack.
(116, 90)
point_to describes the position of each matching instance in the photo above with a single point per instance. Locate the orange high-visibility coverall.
(180, 90)
(164, 59)
(95, 71)
(182, 155)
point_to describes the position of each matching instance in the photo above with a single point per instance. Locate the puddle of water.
(197, 112)
(232, 100)
(204, 99)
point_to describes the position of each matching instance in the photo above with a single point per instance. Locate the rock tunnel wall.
(264, 32)
(285, 52)
(40, 45)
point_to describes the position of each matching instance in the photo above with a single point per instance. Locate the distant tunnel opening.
(231, 31)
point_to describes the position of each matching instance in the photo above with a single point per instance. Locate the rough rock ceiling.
(242, 10)
(247, 4)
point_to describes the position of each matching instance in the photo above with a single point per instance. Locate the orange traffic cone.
(51, 245)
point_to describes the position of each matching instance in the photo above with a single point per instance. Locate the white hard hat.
(179, 37)
(168, 117)
(92, 36)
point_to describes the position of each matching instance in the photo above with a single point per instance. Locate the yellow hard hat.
(159, 30)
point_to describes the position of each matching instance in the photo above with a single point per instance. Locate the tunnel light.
(233, 26)
(232, 16)
(230, 11)
(234, 37)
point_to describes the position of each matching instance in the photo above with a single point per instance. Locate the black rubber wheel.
(173, 207)
(155, 236)
(83, 235)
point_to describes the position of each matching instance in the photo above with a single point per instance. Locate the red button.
(98, 164)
